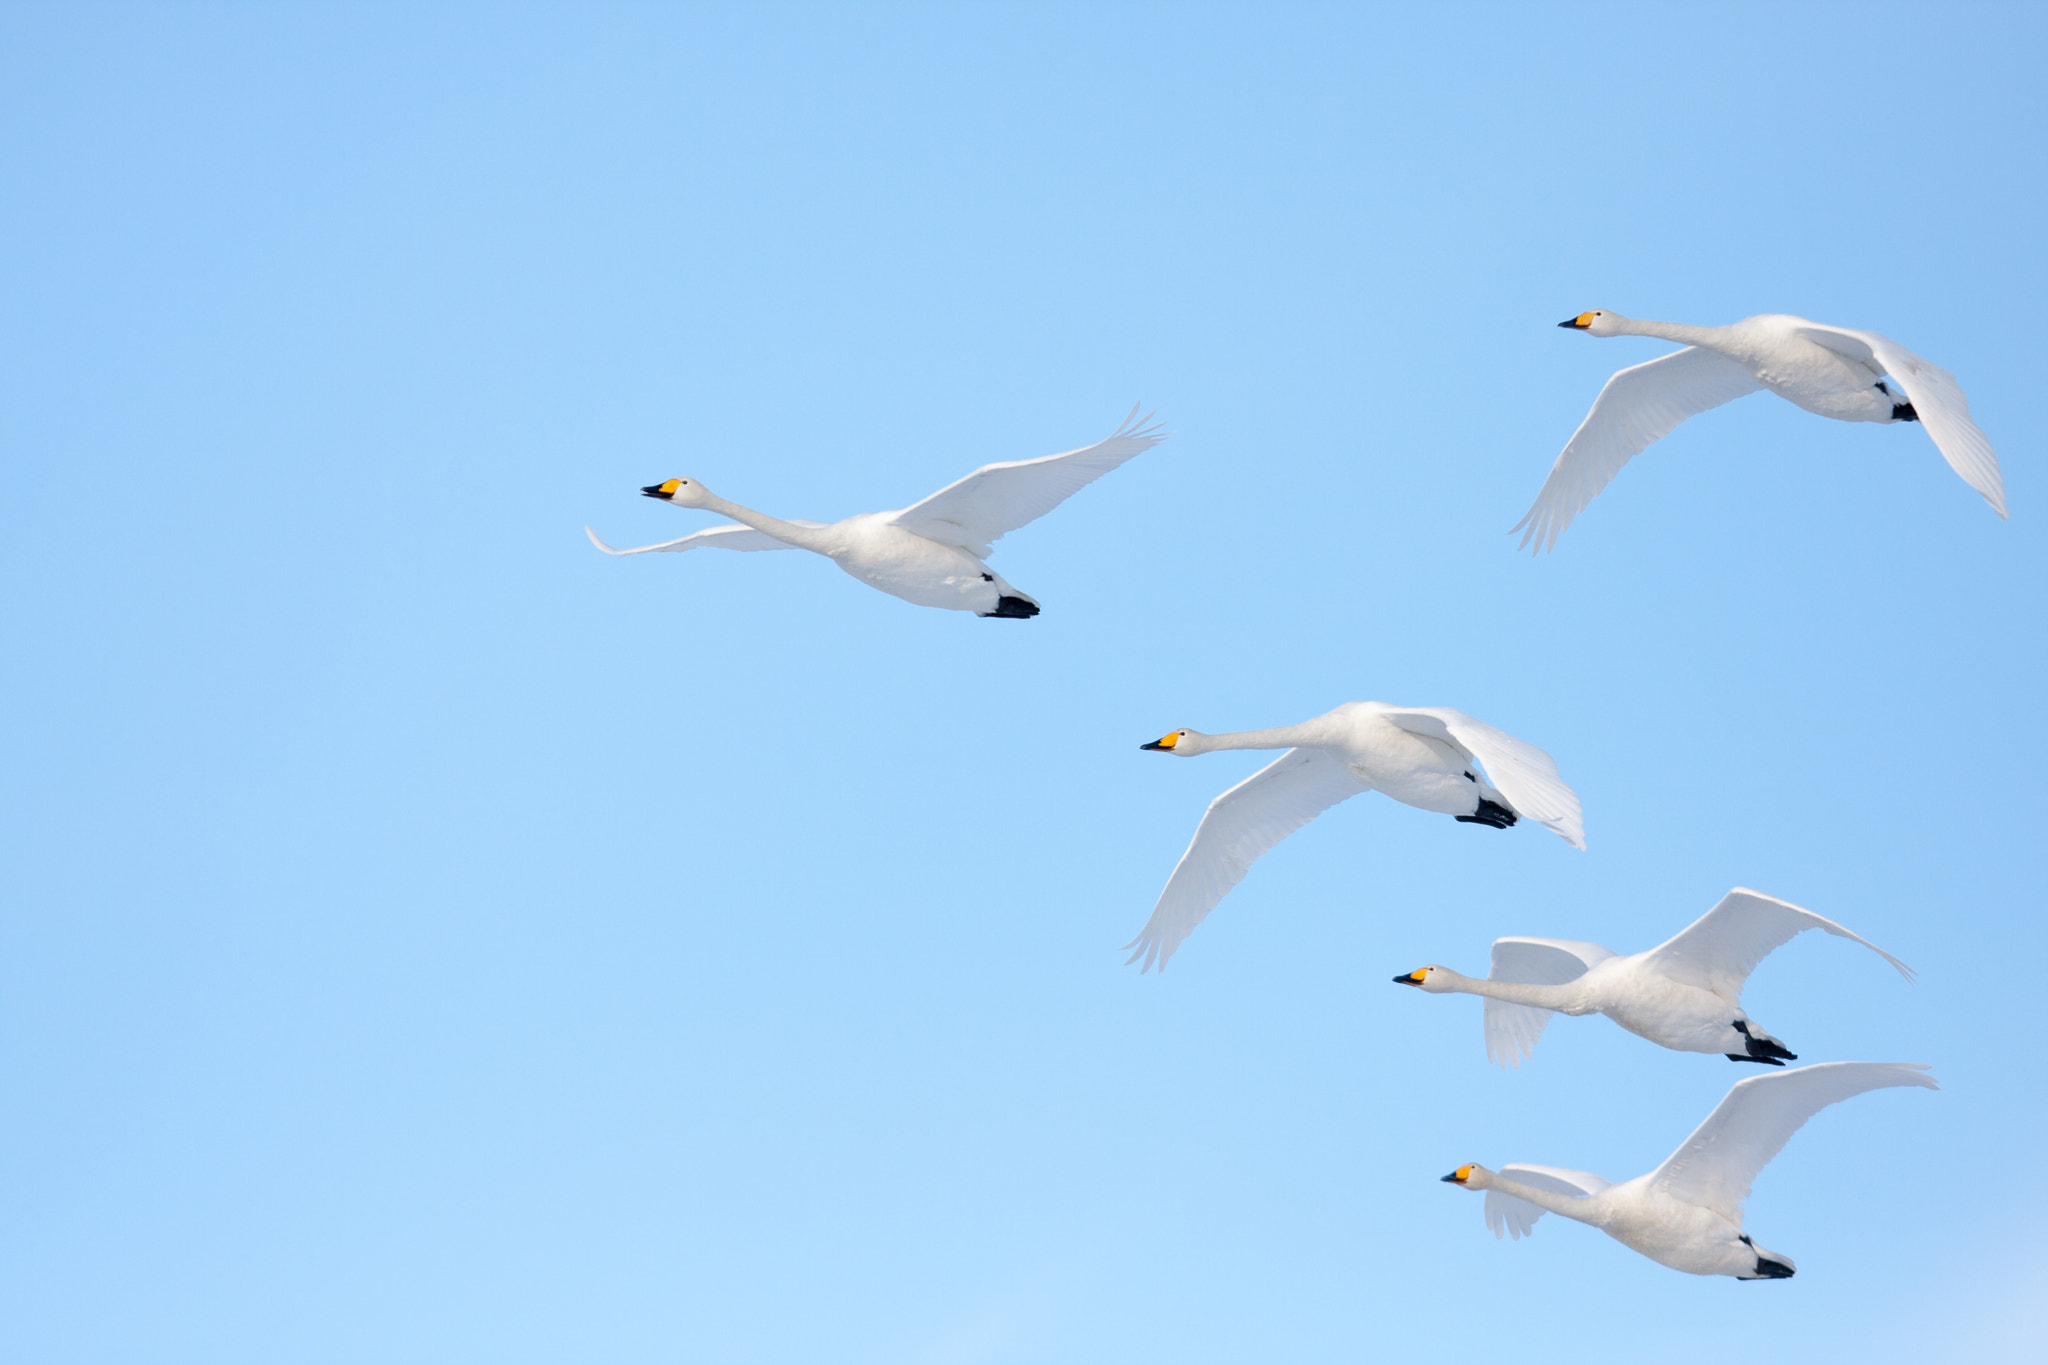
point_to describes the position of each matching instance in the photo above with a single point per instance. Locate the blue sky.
(429, 940)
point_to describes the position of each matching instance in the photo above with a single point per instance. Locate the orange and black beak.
(664, 491)
(1579, 323)
(1413, 978)
(1459, 1176)
(1164, 745)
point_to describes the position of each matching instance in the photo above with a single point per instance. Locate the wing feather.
(1516, 1216)
(1719, 950)
(1525, 774)
(1637, 406)
(1716, 1166)
(996, 499)
(1512, 1029)
(1239, 827)
(733, 537)
(1936, 398)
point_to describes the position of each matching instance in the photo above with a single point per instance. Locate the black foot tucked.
(1764, 1050)
(1901, 412)
(1015, 608)
(1766, 1268)
(1490, 813)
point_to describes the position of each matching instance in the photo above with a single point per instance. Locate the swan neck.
(1279, 737)
(786, 531)
(1570, 1206)
(1516, 992)
(1682, 332)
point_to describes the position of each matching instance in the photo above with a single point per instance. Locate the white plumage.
(1837, 372)
(1687, 1214)
(930, 553)
(1684, 994)
(1433, 758)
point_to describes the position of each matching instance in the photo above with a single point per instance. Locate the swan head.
(1599, 322)
(1472, 1176)
(681, 492)
(1436, 980)
(1177, 742)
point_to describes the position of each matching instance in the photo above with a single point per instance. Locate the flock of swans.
(1685, 994)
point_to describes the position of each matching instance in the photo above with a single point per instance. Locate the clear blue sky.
(427, 940)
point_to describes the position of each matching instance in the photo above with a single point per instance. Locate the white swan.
(1687, 1213)
(1685, 994)
(1837, 372)
(1424, 756)
(932, 553)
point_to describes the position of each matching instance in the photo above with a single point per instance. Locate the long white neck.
(1682, 332)
(803, 537)
(1550, 1201)
(1515, 992)
(1279, 737)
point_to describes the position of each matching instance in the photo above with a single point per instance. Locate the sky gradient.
(427, 939)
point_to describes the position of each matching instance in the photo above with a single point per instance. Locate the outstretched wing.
(1526, 775)
(733, 537)
(998, 498)
(1506, 1213)
(1640, 404)
(1511, 1029)
(1719, 950)
(1936, 398)
(1716, 1165)
(1239, 827)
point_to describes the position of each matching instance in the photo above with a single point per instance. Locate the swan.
(1687, 1213)
(1424, 756)
(1837, 372)
(1685, 994)
(931, 553)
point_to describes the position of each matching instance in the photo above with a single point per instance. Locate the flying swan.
(1425, 756)
(1685, 994)
(1837, 372)
(1687, 1213)
(932, 553)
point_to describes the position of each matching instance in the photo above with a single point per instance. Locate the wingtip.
(598, 543)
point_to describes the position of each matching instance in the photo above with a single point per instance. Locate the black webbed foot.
(1012, 608)
(1490, 813)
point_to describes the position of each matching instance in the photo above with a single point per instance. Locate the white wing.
(1239, 827)
(1506, 1213)
(1525, 775)
(1717, 1164)
(1936, 398)
(1511, 1029)
(998, 498)
(1719, 950)
(733, 537)
(1639, 405)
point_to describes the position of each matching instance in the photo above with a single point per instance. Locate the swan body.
(1684, 994)
(1838, 372)
(1432, 758)
(1687, 1214)
(930, 554)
